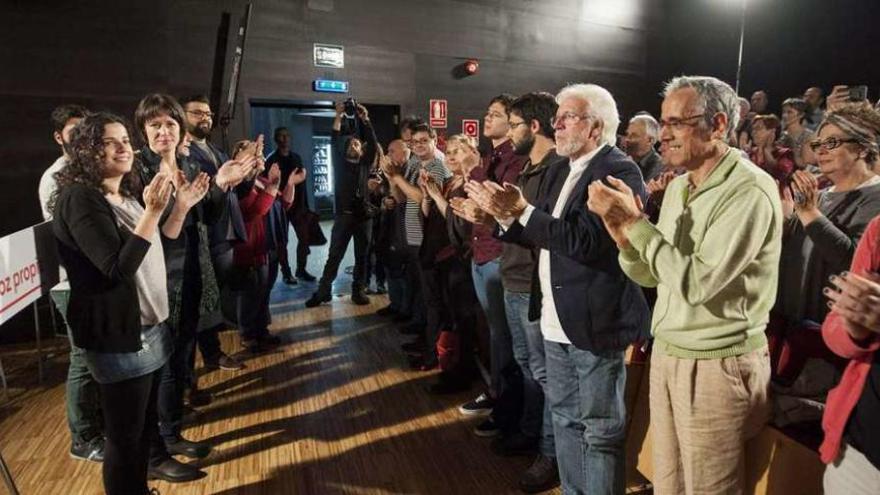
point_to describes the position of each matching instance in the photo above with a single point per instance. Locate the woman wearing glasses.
(819, 239)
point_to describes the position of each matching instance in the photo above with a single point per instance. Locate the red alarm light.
(471, 66)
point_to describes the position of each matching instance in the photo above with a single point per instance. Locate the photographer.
(355, 150)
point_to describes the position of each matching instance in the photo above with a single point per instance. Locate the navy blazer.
(220, 239)
(599, 307)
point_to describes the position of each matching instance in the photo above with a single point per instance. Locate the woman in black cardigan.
(110, 246)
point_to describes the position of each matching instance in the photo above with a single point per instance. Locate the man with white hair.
(714, 258)
(589, 311)
(641, 137)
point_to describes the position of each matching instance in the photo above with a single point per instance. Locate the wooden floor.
(333, 411)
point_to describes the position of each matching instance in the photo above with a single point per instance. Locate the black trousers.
(132, 433)
(450, 302)
(345, 227)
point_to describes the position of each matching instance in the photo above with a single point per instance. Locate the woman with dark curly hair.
(111, 249)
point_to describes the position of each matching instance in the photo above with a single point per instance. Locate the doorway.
(310, 125)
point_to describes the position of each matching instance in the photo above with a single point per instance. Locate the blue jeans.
(585, 391)
(528, 351)
(490, 293)
(82, 399)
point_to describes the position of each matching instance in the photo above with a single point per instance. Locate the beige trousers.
(702, 413)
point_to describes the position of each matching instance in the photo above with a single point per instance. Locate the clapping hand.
(499, 201)
(233, 172)
(190, 193)
(856, 298)
(616, 205)
(157, 193)
(806, 185)
(467, 209)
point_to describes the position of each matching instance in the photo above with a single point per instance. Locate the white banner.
(19, 273)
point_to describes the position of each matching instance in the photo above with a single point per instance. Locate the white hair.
(602, 107)
(715, 96)
(652, 127)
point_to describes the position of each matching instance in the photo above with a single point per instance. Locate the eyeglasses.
(679, 124)
(514, 125)
(200, 114)
(495, 115)
(568, 118)
(830, 143)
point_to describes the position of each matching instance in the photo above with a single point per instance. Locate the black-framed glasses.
(568, 118)
(677, 124)
(830, 143)
(201, 114)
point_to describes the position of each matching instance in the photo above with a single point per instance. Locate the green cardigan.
(714, 258)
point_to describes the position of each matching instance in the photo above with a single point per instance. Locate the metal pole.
(742, 34)
(7, 476)
(39, 343)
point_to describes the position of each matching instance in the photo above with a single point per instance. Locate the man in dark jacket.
(227, 229)
(589, 310)
(355, 152)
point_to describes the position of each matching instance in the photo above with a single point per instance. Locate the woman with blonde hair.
(449, 296)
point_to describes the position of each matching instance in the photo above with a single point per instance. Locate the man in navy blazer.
(228, 229)
(589, 310)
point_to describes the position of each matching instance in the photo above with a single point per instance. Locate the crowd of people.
(737, 248)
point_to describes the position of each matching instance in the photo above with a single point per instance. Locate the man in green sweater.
(714, 257)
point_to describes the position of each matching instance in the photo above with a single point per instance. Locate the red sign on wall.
(437, 111)
(471, 128)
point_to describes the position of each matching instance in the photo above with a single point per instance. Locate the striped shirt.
(413, 217)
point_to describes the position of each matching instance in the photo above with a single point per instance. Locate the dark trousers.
(252, 289)
(300, 227)
(178, 373)
(450, 302)
(345, 227)
(414, 304)
(132, 436)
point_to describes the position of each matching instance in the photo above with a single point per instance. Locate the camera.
(858, 93)
(350, 108)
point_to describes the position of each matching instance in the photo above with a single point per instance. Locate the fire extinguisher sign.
(437, 111)
(471, 128)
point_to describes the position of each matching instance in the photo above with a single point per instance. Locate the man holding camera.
(355, 151)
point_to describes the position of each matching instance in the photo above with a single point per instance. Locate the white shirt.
(48, 185)
(551, 327)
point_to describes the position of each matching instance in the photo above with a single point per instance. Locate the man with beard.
(354, 158)
(532, 136)
(815, 97)
(589, 310)
(81, 397)
(229, 228)
(641, 136)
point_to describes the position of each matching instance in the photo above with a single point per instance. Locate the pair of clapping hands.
(856, 299)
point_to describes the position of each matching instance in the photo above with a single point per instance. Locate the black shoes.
(318, 298)
(198, 398)
(541, 476)
(184, 447)
(304, 275)
(359, 297)
(264, 343)
(289, 280)
(93, 450)
(174, 471)
(387, 311)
